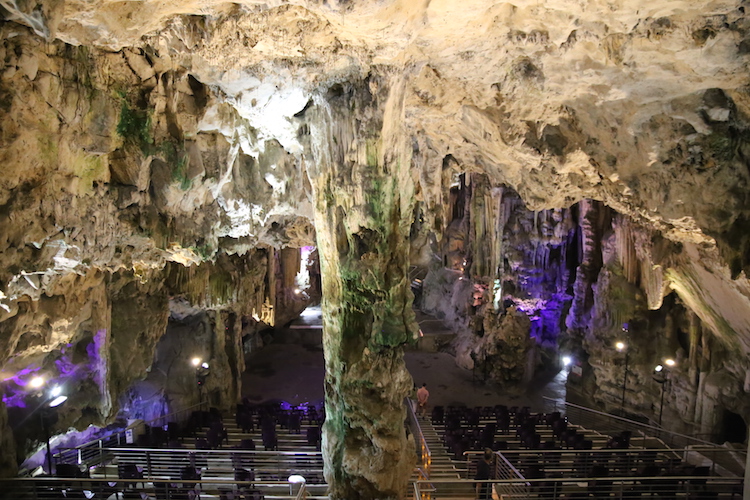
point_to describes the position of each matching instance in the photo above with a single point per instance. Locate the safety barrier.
(607, 423)
(661, 487)
(425, 457)
(43, 488)
(91, 452)
(213, 464)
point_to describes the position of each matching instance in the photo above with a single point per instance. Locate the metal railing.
(159, 488)
(425, 457)
(90, 453)
(619, 462)
(213, 464)
(659, 487)
(611, 424)
(302, 493)
(505, 470)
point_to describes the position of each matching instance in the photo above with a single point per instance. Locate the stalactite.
(580, 309)
(626, 252)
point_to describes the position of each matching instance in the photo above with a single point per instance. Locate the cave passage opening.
(733, 428)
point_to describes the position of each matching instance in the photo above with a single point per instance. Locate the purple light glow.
(65, 367)
(544, 315)
(96, 363)
(14, 387)
(15, 400)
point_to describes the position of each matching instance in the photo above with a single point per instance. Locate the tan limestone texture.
(159, 156)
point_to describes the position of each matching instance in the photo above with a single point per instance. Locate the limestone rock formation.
(363, 238)
(584, 164)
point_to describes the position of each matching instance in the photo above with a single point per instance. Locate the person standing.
(484, 472)
(422, 395)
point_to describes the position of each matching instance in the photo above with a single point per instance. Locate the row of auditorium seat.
(546, 446)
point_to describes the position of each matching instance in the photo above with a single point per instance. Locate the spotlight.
(567, 360)
(669, 362)
(297, 291)
(620, 346)
(56, 391)
(204, 365)
(196, 361)
(658, 368)
(58, 401)
(36, 382)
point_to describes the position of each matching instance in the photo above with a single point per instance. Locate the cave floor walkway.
(294, 372)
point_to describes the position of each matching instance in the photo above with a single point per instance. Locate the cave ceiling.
(637, 104)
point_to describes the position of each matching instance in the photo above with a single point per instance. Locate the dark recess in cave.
(733, 428)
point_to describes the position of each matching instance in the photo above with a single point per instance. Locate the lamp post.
(622, 346)
(201, 372)
(661, 376)
(54, 399)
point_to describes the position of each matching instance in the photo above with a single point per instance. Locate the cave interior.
(546, 179)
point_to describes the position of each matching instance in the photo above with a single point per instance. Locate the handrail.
(136, 424)
(510, 465)
(302, 493)
(503, 459)
(14, 485)
(624, 479)
(711, 454)
(654, 430)
(659, 485)
(425, 456)
(504, 469)
(161, 462)
(177, 451)
(97, 445)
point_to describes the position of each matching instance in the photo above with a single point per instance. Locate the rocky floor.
(294, 373)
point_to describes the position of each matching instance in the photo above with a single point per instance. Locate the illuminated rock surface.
(582, 164)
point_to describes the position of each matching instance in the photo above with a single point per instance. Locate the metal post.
(49, 455)
(746, 493)
(661, 406)
(45, 429)
(624, 382)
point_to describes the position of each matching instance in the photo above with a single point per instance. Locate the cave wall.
(119, 203)
(584, 154)
(576, 281)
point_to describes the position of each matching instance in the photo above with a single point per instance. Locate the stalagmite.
(363, 230)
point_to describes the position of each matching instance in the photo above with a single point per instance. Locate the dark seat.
(438, 414)
(313, 437)
(270, 441)
(244, 475)
(247, 444)
(294, 422)
(129, 471)
(598, 487)
(69, 470)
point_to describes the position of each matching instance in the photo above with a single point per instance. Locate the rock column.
(363, 197)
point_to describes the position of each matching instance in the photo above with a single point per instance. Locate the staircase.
(443, 466)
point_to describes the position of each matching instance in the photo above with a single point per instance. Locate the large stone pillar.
(363, 201)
